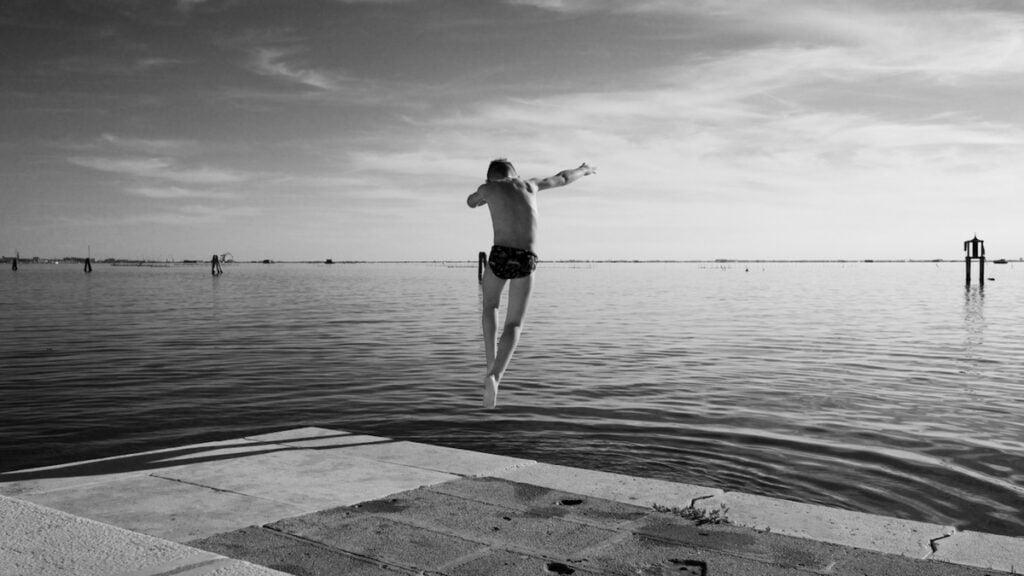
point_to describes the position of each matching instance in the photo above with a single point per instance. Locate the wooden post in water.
(975, 250)
(481, 263)
(88, 261)
(14, 263)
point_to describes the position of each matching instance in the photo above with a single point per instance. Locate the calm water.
(886, 388)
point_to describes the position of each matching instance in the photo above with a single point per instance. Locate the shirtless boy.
(513, 205)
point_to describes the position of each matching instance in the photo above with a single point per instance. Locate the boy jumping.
(513, 205)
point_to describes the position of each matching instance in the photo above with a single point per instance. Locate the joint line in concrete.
(198, 485)
(342, 551)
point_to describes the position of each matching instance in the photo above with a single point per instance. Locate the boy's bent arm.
(564, 177)
(476, 199)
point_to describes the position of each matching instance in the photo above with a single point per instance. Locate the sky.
(355, 129)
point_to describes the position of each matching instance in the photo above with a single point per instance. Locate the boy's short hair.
(500, 169)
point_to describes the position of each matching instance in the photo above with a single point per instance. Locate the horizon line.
(189, 261)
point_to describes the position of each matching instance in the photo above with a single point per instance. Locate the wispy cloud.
(148, 145)
(146, 64)
(272, 62)
(158, 169)
(176, 192)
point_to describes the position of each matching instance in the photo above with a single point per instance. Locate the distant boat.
(1000, 261)
(328, 261)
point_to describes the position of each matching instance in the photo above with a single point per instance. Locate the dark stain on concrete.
(558, 568)
(528, 492)
(383, 506)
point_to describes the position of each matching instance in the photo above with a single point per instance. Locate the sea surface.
(888, 388)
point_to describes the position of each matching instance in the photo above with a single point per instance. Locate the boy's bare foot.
(490, 391)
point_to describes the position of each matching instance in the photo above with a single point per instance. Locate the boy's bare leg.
(492, 287)
(518, 299)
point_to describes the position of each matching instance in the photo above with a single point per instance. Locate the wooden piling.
(975, 250)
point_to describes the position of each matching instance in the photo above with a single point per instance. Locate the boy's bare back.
(513, 206)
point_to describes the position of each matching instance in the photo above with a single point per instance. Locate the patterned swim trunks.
(508, 263)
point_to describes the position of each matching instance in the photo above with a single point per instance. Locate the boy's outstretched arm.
(564, 177)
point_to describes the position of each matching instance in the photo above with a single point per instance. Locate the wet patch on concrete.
(468, 519)
(393, 542)
(537, 502)
(641, 556)
(383, 506)
(695, 567)
(293, 556)
(559, 568)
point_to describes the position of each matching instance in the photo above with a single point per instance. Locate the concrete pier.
(319, 501)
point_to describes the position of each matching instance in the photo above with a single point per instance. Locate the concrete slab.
(541, 501)
(165, 508)
(88, 472)
(812, 522)
(982, 550)
(439, 458)
(37, 540)
(618, 487)
(310, 479)
(281, 552)
(389, 507)
(859, 562)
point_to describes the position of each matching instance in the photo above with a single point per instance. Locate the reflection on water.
(974, 329)
(974, 315)
(879, 387)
